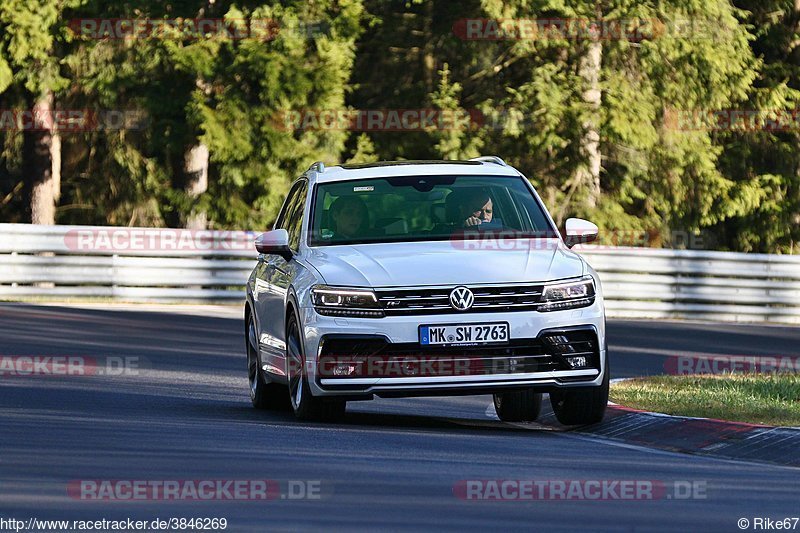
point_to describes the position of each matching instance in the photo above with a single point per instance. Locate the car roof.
(320, 174)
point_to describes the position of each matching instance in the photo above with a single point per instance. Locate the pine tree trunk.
(195, 169)
(796, 53)
(41, 163)
(195, 173)
(55, 156)
(589, 173)
(428, 57)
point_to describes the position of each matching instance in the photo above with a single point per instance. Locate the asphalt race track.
(184, 414)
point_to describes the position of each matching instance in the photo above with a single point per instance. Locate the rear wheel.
(263, 394)
(304, 404)
(580, 406)
(518, 406)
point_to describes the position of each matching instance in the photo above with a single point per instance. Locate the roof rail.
(490, 159)
(319, 166)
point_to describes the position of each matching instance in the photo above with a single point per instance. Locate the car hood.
(443, 263)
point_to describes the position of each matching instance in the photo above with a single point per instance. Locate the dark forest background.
(631, 130)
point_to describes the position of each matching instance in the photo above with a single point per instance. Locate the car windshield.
(424, 208)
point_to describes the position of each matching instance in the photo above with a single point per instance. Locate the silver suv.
(418, 278)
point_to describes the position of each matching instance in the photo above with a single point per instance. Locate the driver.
(475, 208)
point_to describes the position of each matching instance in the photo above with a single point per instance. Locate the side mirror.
(274, 242)
(580, 231)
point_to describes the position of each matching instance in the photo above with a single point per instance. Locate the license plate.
(464, 334)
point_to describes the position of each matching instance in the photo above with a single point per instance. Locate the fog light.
(578, 361)
(343, 370)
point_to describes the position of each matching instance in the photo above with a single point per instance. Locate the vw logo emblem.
(461, 298)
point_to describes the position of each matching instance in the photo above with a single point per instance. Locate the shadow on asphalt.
(358, 420)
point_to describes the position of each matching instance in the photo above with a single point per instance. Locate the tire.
(305, 406)
(518, 406)
(581, 406)
(263, 395)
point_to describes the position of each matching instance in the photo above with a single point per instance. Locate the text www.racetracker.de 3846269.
(103, 524)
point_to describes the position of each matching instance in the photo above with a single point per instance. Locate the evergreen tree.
(32, 45)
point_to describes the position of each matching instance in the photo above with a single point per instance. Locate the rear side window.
(291, 218)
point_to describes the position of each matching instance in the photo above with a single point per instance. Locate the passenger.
(350, 218)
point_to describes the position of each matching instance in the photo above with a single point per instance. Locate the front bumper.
(524, 363)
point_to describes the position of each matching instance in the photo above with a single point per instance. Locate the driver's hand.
(472, 221)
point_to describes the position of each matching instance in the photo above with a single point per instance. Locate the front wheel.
(304, 404)
(581, 406)
(264, 395)
(519, 406)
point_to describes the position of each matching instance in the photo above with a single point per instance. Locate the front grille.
(431, 301)
(372, 356)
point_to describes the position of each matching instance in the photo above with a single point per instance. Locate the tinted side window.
(283, 216)
(294, 215)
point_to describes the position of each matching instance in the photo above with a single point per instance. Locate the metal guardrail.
(705, 285)
(155, 265)
(130, 264)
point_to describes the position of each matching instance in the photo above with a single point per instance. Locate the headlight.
(570, 295)
(333, 301)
